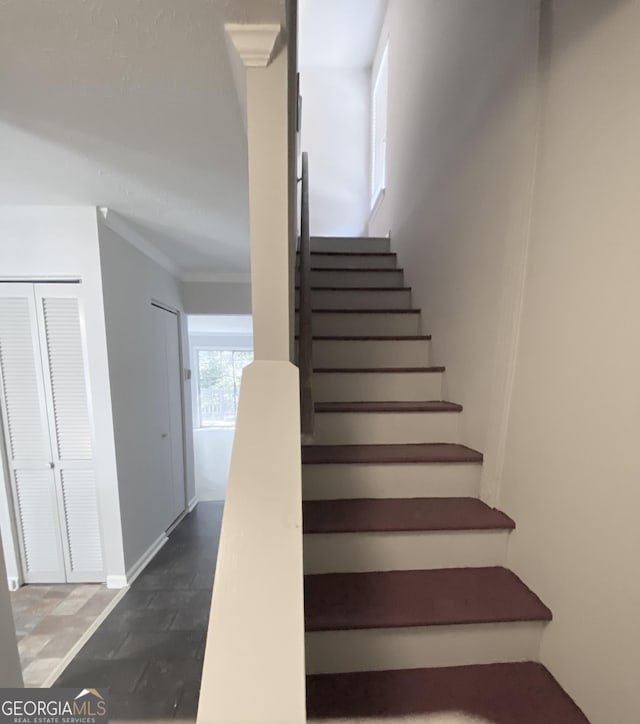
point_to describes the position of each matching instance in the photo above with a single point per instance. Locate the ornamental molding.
(255, 43)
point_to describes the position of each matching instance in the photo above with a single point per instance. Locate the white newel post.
(265, 59)
(254, 671)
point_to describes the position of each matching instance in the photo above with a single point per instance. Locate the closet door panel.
(161, 420)
(26, 437)
(81, 518)
(65, 372)
(67, 378)
(174, 383)
(36, 509)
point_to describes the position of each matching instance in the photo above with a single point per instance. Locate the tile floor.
(50, 620)
(149, 650)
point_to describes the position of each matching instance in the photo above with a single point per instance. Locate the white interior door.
(26, 437)
(48, 433)
(169, 428)
(67, 395)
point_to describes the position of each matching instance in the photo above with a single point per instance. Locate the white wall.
(216, 297)
(514, 206)
(130, 281)
(572, 474)
(212, 446)
(335, 132)
(40, 242)
(460, 152)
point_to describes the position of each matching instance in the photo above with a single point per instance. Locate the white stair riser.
(362, 261)
(353, 428)
(430, 646)
(353, 278)
(360, 245)
(361, 299)
(406, 480)
(375, 386)
(403, 551)
(373, 324)
(371, 353)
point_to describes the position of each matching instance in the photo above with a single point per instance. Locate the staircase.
(409, 609)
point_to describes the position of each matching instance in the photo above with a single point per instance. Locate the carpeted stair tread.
(512, 693)
(437, 597)
(431, 452)
(401, 514)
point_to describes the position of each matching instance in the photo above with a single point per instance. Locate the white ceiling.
(339, 33)
(131, 105)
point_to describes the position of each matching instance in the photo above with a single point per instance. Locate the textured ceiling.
(130, 104)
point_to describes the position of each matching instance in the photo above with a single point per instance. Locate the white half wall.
(336, 132)
(212, 456)
(130, 281)
(43, 242)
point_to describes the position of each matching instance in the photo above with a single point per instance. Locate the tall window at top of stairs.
(379, 94)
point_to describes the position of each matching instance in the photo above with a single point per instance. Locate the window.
(379, 128)
(219, 373)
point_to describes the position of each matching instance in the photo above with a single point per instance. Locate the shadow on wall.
(131, 105)
(461, 150)
(459, 135)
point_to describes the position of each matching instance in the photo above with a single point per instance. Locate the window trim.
(377, 192)
(196, 349)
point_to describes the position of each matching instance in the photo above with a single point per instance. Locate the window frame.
(378, 150)
(196, 349)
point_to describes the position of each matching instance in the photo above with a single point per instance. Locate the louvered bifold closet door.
(64, 362)
(26, 438)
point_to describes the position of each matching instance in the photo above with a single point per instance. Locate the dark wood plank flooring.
(149, 650)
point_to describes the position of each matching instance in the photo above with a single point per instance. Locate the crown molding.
(255, 43)
(122, 228)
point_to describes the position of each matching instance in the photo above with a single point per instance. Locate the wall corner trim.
(255, 43)
(120, 226)
(192, 504)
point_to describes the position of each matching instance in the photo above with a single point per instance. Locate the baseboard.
(70, 655)
(136, 569)
(116, 581)
(192, 503)
(13, 582)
